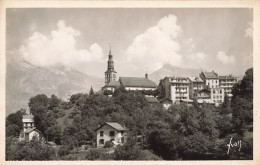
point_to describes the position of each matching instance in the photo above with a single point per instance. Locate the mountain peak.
(169, 70)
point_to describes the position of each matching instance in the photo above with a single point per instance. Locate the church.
(129, 83)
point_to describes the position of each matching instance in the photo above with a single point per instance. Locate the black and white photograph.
(129, 83)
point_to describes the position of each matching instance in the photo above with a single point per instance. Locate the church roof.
(113, 84)
(137, 82)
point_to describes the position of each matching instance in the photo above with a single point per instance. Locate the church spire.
(109, 49)
(110, 74)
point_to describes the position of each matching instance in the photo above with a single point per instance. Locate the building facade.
(179, 87)
(196, 85)
(210, 79)
(217, 95)
(209, 87)
(227, 82)
(175, 89)
(113, 132)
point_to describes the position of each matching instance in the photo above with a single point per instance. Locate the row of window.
(217, 97)
(111, 133)
(212, 81)
(217, 101)
(178, 80)
(113, 76)
(217, 91)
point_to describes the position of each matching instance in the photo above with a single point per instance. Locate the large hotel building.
(209, 87)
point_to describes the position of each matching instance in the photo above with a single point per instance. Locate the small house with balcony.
(110, 131)
(29, 130)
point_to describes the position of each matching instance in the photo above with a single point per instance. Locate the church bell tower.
(110, 74)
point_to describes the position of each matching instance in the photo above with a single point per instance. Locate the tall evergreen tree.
(91, 92)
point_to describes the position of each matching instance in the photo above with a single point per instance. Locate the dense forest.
(197, 132)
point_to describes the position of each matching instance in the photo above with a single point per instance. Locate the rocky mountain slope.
(24, 81)
(169, 70)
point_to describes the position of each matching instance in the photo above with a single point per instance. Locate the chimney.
(146, 75)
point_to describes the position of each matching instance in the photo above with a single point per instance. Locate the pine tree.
(91, 92)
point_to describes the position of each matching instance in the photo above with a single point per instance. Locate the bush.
(108, 144)
(34, 150)
(69, 157)
(64, 151)
(128, 152)
(93, 154)
(148, 155)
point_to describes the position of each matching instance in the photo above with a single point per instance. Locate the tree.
(244, 89)
(16, 118)
(242, 102)
(91, 92)
(226, 106)
(54, 102)
(38, 103)
(12, 130)
(53, 133)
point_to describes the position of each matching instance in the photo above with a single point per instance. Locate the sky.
(142, 40)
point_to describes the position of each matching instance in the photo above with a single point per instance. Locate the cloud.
(157, 45)
(200, 57)
(225, 59)
(58, 48)
(249, 30)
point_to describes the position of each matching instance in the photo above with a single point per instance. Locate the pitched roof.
(178, 77)
(210, 101)
(204, 90)
(137, 82)
(152, 99)
(114, 125)
(195, 79)
(30, 130)
(28, 117)
(186, 100)
(210, 74)
(113, 84)
(108, 71)
(166, 98)
(227, 77)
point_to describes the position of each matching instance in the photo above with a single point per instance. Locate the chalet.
(113, 132)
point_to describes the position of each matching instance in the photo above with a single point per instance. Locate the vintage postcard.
(158, 81)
